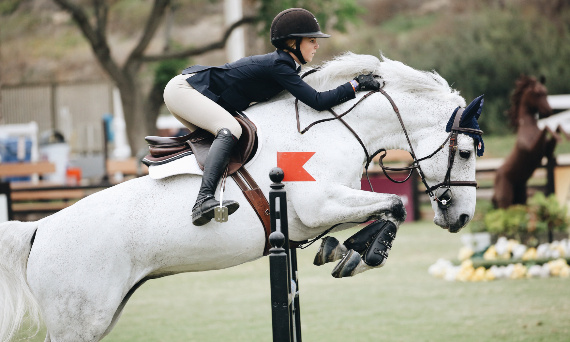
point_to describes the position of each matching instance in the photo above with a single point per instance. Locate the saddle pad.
(184, 165)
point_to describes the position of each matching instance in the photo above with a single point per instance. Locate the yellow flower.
(489, 275)
(530, 254)
(465, 253)
(519, 271)
(490, 253)
(479, 274)
(465, 271)
(557, 267)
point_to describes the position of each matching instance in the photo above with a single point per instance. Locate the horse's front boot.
(214, 167)
(330, 250)
(372, 244)
(377, 252)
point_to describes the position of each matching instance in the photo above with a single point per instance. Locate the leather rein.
(443, 198)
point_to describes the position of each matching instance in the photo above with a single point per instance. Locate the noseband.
(441, 192)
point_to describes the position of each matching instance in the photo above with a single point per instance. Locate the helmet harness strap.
(297, 50)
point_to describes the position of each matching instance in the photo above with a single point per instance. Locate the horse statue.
(78, 267)
(528, 101)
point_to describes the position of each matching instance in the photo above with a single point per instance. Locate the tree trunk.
(152, 109)
(133, 107)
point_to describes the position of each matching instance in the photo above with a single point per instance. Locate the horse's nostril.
(464, 218)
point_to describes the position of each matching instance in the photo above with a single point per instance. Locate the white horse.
(77, 268)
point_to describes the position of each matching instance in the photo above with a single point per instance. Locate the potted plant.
(548, 216)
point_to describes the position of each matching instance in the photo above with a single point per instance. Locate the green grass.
(399, 302)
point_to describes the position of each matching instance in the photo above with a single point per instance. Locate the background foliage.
(479, 46)
(485, 51)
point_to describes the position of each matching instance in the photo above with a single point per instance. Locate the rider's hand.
(367, 82)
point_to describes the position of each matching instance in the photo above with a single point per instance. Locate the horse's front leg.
(366, 249)
(324, 205)
(369, 247)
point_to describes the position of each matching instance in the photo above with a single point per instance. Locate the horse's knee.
(397, 210)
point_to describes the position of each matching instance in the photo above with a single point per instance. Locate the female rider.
(205, 96)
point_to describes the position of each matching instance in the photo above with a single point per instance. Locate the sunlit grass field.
(400, 302)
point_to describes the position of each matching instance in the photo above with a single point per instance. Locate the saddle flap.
(202, 140)
(246, 144)
(168, 141)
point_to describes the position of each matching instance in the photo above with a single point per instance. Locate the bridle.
(441, 192)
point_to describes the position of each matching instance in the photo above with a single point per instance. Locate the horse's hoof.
(348, 265)
(330, 250)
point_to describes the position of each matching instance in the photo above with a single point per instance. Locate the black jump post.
(286, 314)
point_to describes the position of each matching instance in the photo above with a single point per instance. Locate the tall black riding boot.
(214, 167)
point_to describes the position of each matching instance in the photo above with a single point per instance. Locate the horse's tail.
(16, 299)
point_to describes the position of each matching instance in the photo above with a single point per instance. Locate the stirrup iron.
(221, 212)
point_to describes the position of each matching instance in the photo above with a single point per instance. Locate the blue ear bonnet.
(469, 120)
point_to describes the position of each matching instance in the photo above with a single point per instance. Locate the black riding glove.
(367, 82)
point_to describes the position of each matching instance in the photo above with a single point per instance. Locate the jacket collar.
(287, 57)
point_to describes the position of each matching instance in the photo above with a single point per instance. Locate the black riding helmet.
(294, 23)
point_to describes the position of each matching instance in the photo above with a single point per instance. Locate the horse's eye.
(464, 154)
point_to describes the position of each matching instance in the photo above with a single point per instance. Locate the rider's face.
(309, 47)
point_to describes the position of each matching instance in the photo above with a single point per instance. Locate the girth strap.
(256, 199)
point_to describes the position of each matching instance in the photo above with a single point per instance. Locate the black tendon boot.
(373, 242)
(214, 167)
(369, 245)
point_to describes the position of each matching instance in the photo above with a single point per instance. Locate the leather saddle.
(165, 149)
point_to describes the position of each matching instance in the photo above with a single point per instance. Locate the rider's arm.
(292, 82)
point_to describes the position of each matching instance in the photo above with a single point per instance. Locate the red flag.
(292, 165)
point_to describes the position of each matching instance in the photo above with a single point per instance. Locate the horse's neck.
(384, 129)
(529, 136)
(527, 123)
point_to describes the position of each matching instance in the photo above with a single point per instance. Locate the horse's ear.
(472, 112)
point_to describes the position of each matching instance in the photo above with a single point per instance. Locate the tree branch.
(152, 24)
(200, 50)
(95, 35)
(101, 11)
(80, 19)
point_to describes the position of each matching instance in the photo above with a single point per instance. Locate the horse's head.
(537, 99)
(449, 170)
(529, 98)
(423, 102)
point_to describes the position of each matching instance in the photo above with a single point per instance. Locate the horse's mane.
(396, 75)
(521, 84)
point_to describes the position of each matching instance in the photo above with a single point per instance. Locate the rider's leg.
(214, 167)
(190, 106)
(193, 109)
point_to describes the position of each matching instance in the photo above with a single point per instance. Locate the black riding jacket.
(258, 78)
